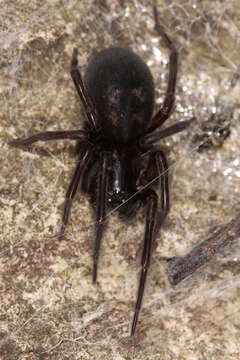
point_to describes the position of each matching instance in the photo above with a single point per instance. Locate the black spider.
(118, 97)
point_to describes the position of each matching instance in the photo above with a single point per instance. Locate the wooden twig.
(182, 266)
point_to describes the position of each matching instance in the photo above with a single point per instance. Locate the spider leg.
(78, 82)
(49, 135)
(101, 210)
(162, 172)
(151, 200)
(150, 138)
(164, 112)
(81, 167)
(157, 168)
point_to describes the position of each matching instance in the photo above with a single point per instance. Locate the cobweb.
(49, 308)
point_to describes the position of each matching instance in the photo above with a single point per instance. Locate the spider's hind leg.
(48, 136)
(166, 109)
(82, 92)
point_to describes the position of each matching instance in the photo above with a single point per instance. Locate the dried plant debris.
(213, 132)
(182, 266)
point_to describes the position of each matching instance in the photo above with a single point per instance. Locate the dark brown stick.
(182, 266)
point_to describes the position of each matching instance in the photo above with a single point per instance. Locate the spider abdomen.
(121, 88)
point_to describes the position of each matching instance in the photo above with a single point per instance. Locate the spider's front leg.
(102, 182)
(157, 169)
(151, 201)
(81, 168)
